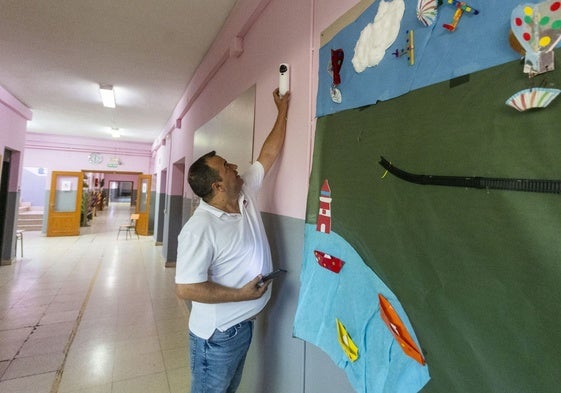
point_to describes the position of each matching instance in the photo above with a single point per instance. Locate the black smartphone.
(271, 275)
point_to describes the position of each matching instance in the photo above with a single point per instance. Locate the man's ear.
(216, 187)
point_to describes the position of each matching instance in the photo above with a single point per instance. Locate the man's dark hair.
(201, 177)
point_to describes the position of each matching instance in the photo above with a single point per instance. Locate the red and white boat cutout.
(329, 262)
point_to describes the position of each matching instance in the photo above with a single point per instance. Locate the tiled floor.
(92, 314)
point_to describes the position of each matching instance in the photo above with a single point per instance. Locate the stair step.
(30, 228)
(30, 220)
(29, 216)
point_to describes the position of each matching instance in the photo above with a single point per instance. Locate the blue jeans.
(217, 363)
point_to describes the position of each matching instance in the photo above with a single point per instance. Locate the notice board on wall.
(478, 271)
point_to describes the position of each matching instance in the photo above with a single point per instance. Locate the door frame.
(143, 204)
(69, 219)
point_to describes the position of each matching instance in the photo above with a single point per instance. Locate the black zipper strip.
(526, 185)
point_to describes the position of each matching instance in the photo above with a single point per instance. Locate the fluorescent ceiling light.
(107, 96)
(115, 132)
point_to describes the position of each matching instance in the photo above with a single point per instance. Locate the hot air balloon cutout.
(334, 69)
(537, 27)
(427, 11)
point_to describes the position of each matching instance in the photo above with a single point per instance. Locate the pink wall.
(66, 153)
(273, 31)
(72, 153)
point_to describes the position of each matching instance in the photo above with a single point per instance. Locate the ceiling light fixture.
(115, 132)
(107, 96)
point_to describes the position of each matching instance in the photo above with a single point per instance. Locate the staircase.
(30, 218)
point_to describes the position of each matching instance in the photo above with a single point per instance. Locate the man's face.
(231, 181)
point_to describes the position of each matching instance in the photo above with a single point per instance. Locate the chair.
(19, 236)
(129, 227)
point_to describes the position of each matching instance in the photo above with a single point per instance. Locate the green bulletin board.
(477, 271)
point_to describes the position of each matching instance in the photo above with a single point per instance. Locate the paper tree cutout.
(538, 29)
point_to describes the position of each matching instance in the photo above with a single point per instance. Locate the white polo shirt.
(228, 249)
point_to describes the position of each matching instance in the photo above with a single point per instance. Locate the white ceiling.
(55, 53)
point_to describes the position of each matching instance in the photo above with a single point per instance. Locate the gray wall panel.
(322, 375)
(277, 362)
(152, 215)
(172, 227)
(159, 219)
(9, 239)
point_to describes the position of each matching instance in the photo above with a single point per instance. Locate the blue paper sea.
(352, 297)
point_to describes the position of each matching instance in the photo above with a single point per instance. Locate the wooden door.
(65, 204)
(143, 203)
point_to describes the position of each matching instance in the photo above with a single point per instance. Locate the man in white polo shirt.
(222, 254)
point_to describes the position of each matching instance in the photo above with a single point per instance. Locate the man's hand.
(252, 290)
(281, 102)
(210, 292)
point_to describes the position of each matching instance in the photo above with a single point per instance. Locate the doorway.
(120, 191)
(65, 204)
(4, 183)
(9, 203)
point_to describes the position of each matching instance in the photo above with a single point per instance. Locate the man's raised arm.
(274, 142)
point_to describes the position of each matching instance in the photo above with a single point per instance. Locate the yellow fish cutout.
(346, 342)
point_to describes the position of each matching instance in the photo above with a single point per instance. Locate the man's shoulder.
(253, 177)
(196, 223)
(253, 169)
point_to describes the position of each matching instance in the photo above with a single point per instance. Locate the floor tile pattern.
(92, 314)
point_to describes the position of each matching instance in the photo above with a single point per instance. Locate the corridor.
(92, 314)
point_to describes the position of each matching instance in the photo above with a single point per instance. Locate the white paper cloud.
(378, 36)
